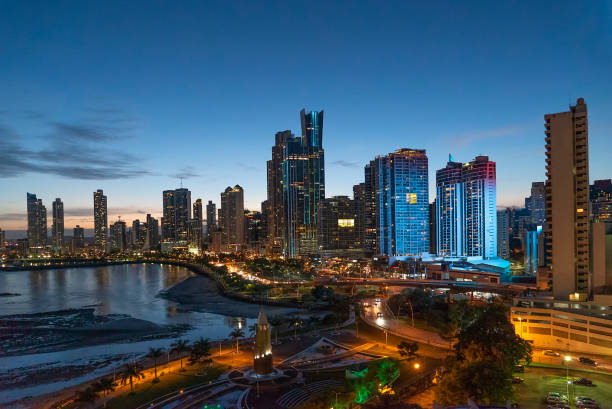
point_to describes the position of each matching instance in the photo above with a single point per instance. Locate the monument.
(262, 363)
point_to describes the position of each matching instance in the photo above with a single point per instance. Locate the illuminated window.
(411, 198)
(346, 222)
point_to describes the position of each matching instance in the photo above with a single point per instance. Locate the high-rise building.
(359, 200)
(176, 214)
(152, 234)
(402, 203)
(231, 220)
(480, 208)
(254, 225)
(466, 213)
(503, 234)
(370, 221)
(118, 236)
(37, 223)
(601, 250)
(566, 230)
(194, 236)
(532, 253)
(433, 228)
(100, 221)
(449, 210)
(78, 237)
(275, 199)
(197, 210)
(600, 193)
(57, 229)
(2, 239)
(536, 204)
(337, 230)
(211, 218)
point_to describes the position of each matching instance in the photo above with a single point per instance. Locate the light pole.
(567, 360)
(385, 337)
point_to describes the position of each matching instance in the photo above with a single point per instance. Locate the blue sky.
(126, 96)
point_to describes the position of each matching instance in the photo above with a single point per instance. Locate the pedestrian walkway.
(297, 396)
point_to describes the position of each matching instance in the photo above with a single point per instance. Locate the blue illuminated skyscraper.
(449, 210)
(402, 203)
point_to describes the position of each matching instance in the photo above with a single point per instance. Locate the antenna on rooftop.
(181, 178)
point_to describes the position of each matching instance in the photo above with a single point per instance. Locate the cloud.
(71, 150)
(248, 168)
(185, 173)
(345, 164)
(471, 137)
(9, 217)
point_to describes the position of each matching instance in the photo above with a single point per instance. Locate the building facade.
(57, 229)
(536, 203)
(176, 215)
(566, 230)
(231, 220)
(78, 238)
(118, 238)
(449, 210)
(37, 223)
(503, 233)
(338, 232)
(401, 203)
(211, 218)
(601, 200)
(100, 221)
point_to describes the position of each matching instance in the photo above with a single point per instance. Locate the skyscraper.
(78, 237)
(402, 203)
(503, 233)
(536, 203)
(100, 220)
(338, 228)
(152, 235)
(566, 231)
(211, 217)
(117, 236)
(176, 213)
(197, 210)
(359, 199)
(449, 210)
(369, 219)
(57, 229)
(480, 208)
(466, 214)
(37, 222)
(275, 199)
(601, 200)
(231, 221)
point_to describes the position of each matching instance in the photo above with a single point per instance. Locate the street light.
(417, 365)
(567, 360)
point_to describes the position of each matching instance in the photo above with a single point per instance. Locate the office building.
(152, 241)
(566, 230)
(433, 227)
(194, 236)
(338, 233)
(402, 203)
(255, 233)
(197, 210)
(176, 214)
(532, 250)
(37, 223)
(536, 204)
(231, 220)
(78, 238)
(211, 218)
(118, 240)
(57, 229)
(275, 199)
(359, 200)
(503, 233)
(369, 219)
(600, 193)
(100, 221)
(601, 245)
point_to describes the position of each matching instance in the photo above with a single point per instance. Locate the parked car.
(517, 380)
(584, 399)
(519, 368)
(587, 405)
(583, 382)
(587, 361)
(549, 352)
(553, 398)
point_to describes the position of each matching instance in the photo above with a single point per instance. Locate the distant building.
(152, 240)
(503, 233)
(600, 193)
(138, 234)
(194, 236)
(359, 201)
(255, 234)
(57, 229)
(78, 238)
(100, 221)
(449, 210)
(566, 230)
(2, 239)
(176, 215)
(211, 218)
(369, 219)
(275, 200)
(337, 230)
(37, 223)
(118, 236)
(197, 210)
(536, 203)
(601, 245)
(402, 203)
(231, 221)
(532, 250)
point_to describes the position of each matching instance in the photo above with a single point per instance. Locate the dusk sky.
(128, 96)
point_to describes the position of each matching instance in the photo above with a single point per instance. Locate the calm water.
(122, 289)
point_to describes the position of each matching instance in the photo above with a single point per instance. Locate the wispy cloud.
(71, 150)
(10, 217)
(248, 168)
(471, 137)
(187, 172)
(346, 164)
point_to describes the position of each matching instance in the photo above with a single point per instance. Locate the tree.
(408, 350)
(235, 334)
(295, 322)
(105, 385)
(252, 329)
(154, 354)
(131, 371)
(396, 303)
(180, 347)
(86, 396)
(276, 322)
(314, 320)
(486, 352)
(199, 350)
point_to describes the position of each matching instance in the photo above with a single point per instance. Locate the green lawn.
(148, 391)
(539, 381)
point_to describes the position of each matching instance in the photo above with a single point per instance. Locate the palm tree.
(180, 347)
(130, 372)
(295, 322)
(314, 321)
(235, 334)
(199, 350)
(154, 354)
(104, 385)
(252, 329)
(275, 321)
(86, 396)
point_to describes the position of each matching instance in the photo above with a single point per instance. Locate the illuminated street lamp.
(416, 365)
(567, 360)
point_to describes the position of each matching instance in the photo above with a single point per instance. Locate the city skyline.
(134, 141)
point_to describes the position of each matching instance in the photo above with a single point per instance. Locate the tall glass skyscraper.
(466, 211)
(402, 203)
(37, 222)
(100, 220)
(57, 230)
(176, 215)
